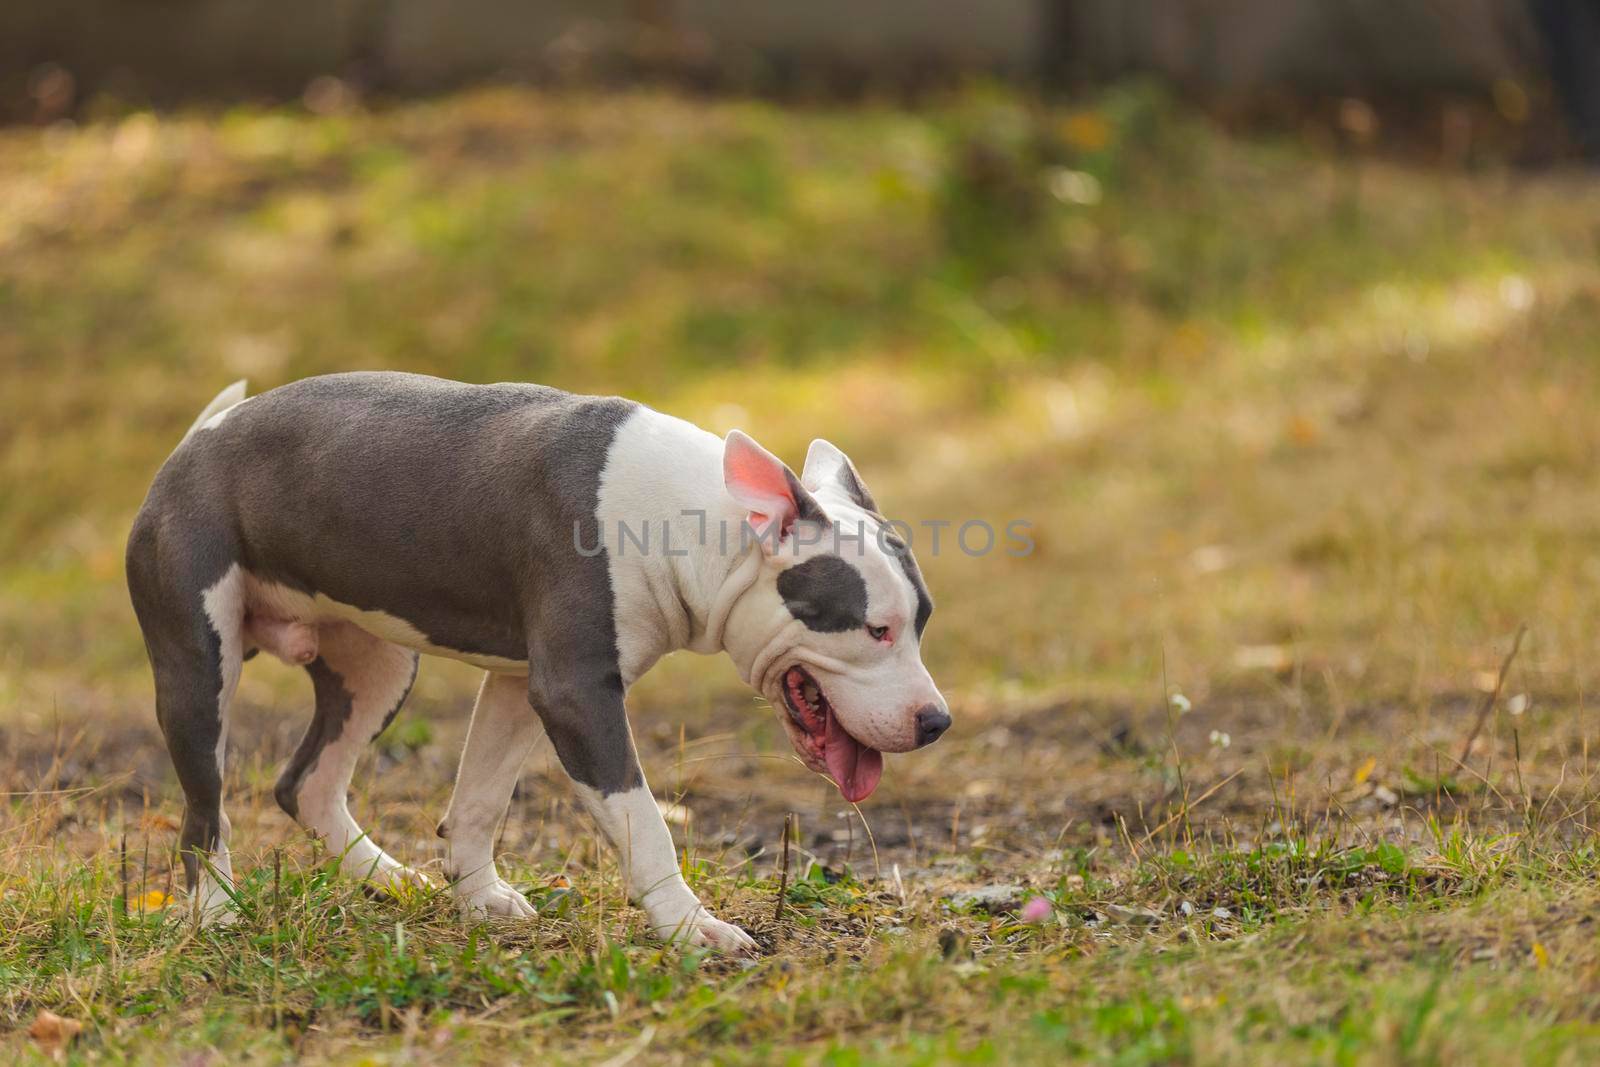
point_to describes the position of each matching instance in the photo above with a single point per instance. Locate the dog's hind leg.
(192, 633)
(360, 682)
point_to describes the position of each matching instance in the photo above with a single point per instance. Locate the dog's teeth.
(812, 694)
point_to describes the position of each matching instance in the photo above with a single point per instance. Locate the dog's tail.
(223, 401)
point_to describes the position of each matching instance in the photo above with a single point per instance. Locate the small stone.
(992, 899)
(1132, 916)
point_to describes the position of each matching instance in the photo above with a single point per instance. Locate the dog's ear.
(764, 484)
(825, 463)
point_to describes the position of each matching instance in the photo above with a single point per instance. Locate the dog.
(564, 543)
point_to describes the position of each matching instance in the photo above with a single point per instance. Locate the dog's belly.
(278, 618)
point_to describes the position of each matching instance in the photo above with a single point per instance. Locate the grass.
(1302, 439)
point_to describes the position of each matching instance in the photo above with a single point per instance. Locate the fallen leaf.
(53, 1033)
(1541, 957)
(1364, 771)
(154, 900)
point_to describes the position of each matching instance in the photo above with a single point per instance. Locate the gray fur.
(908, 563)
(855, 488)
(450, 506)
(166, 576)
(334, 706)
(453, 507)
(806, 507)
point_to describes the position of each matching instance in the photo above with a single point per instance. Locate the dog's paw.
(399, 880)
(216, 916)
(494, 900)
(701, 930)
(212, 907)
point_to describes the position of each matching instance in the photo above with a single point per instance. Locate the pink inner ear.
(758, 480)
(756, 475)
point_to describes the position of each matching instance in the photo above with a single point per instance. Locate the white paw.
(213, 908)
(701, 930)
(399, 880)
(494, 900)
(217, 915)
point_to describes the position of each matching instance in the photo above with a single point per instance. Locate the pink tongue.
(854, 766)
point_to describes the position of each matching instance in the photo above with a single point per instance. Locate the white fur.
(212, 414)
(503, 731)
(632, 822)
(223, 602)
(659, 469)
(376, 674)
(699, 586)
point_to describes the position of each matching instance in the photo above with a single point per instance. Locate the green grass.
(1302, 438)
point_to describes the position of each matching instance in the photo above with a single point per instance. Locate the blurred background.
(1275, 318)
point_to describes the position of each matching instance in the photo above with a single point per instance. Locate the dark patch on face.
(908, 563)
(825, 593)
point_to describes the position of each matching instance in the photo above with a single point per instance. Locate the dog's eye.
(877, 633)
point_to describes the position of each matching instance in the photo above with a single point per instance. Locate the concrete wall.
(1334, 45)
(165, 49)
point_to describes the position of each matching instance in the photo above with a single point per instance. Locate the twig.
(1494, 697)
(783, 876)
(172, 870)
(122, 864)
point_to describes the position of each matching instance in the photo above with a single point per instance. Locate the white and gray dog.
(564, 544)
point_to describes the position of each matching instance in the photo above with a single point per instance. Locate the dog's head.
(837, 612)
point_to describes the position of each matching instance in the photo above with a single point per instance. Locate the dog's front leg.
(589, 730)
(632, 822)
(502, 732)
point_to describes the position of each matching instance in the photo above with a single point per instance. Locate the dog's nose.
(932, 721)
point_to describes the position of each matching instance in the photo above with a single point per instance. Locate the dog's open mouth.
(854, 767)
